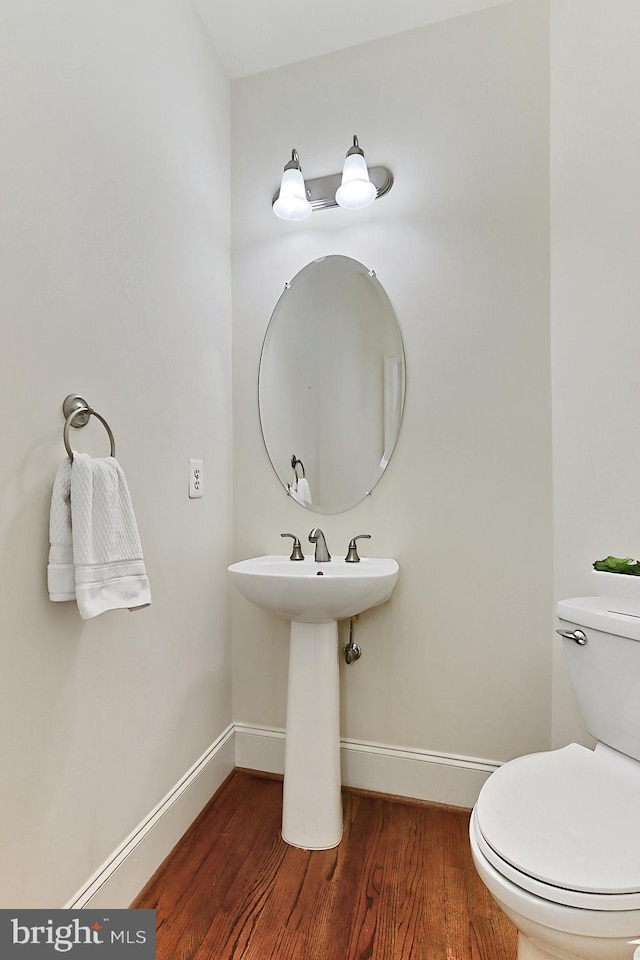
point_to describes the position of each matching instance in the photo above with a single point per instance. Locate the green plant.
(618, 565)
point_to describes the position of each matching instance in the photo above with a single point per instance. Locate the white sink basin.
(310, 592)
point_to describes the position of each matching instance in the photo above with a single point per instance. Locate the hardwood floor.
(400, 886)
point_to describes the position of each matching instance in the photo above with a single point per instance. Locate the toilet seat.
(564, 825)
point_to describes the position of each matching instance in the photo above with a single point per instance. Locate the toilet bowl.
(555, 836)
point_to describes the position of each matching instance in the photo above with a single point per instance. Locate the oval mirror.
(331, 384)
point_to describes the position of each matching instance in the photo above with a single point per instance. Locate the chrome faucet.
(322, 554)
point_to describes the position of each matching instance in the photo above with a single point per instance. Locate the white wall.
(459, 660)
(115, 283)
(595, 239)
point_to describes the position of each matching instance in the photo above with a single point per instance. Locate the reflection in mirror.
(331, 384)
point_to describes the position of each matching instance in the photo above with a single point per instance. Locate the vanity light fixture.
(356, 187)
(291, 202)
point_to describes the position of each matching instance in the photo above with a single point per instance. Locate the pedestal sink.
(313, 596)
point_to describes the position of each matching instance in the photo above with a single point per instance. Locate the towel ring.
(294, 464)
(75, 408)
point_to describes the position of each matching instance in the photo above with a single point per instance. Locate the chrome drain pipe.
(352, 651)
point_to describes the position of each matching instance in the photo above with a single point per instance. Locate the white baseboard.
(259, 748)
(416, 774)
(123, 875)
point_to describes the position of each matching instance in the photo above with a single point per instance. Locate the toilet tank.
(605, 671)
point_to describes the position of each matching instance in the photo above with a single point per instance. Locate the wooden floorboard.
(400, 886)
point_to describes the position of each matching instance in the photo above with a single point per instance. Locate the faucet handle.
(296, 553)
(352, 555)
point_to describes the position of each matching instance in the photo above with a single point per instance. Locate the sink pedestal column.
(312, 806)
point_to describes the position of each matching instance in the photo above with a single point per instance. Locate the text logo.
(78, 934)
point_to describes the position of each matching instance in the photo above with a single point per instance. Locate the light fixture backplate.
(321, 191)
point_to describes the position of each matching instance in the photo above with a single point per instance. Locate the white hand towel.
(95, 554)
(109, 569)
(293, 493)
(61, 575)
(304, 490)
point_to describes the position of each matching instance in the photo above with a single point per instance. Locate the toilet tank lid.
(589, 612)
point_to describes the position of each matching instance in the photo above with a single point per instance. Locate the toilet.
(555, 836)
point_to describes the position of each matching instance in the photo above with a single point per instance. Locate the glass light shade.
(356, 190)
(292, 203)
